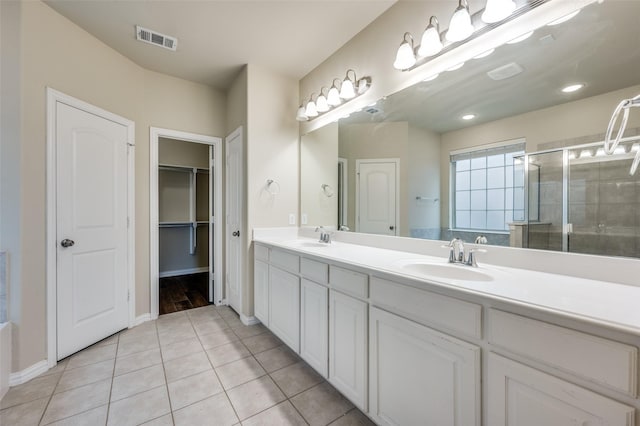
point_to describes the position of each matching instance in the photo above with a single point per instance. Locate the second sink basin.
(446, 271)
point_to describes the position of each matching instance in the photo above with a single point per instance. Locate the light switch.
(303, 219)
(292, 219)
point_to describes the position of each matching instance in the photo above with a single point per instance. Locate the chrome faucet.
(325, 236)
(457, 253)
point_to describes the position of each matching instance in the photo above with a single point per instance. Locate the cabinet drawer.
(605, 362)
(314, 270)
(261, 252)
(348, 281)
(445, 313)
(284, 260)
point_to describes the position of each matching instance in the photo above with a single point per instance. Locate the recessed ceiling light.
(430, 78)
(484, 54)
(520, 38)
(456, 67)
(572, 88)
(565, 18)
(468, 116)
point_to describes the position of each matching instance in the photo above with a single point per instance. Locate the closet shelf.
(174, 224)
(178, 168)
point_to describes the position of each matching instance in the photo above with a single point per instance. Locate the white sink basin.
(446, 271)
(308, 243)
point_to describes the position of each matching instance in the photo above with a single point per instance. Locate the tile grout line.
(164, 373)
(51, 396)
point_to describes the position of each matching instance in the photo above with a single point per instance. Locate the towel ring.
(272, 187)
(327, 190)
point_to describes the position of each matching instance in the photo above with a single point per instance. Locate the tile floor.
(197, 367)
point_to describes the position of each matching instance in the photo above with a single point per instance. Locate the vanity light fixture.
(520, 38)
(405, 58)
(321, 102)
(301, 115)
(460, 27)
(484, 54)
(347, 90)
(565, 18)
(311, 110)
(333, 97)
(572, 88)
(497, 10)
(468, 116)
(431, 43)
(350, 88)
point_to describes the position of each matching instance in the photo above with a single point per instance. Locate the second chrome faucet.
(458, 254)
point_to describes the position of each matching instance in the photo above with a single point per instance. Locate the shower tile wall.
(3, 286)
(545, 231)
(604, 208)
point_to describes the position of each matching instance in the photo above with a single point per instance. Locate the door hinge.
(128, 295)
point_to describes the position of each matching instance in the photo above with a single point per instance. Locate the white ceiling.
(216, 38)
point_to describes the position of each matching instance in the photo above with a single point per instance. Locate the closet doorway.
(185, 213)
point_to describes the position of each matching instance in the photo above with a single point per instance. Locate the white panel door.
(314, 326)
(522, 396)
(421, 376)
(377, 197)
(91, 211)
(348, 347)
(284, 307)
(234, 252)
(261, 291)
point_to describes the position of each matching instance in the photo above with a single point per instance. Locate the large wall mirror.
(496, 148)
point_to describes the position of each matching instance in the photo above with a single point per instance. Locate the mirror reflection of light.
(635, 147)
(431, 78)
(600, 152)
(586, 153)
(484, 54)
(456, 67)
(565, 18)
(572, 155)
(521, 38)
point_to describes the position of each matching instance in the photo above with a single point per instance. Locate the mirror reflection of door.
(343, 193)
(377, 196)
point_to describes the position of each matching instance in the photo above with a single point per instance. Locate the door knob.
(67, 242)
(236, 233)
(391, 228)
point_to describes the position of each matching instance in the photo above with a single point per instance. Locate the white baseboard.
(177, 272)
(5, 358)
(20, 377)
(249, 320)
(142, 318)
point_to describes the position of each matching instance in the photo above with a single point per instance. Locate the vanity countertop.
(599, 302)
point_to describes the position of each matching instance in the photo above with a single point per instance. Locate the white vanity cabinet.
(519, 395)
(314, 326)
(417, 373)
(284, 306)
(348, 370)
(261, 291)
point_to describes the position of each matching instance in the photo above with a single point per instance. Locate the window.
(487, 190)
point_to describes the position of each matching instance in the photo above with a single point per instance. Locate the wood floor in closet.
(183, 292)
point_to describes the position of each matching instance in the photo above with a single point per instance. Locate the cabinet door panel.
(348, 347)
(314, 323)
(261, 292)
(284, 307)
(421, 376)
(522, 396)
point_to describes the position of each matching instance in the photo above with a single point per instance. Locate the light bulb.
(572, 88)
(347, 91)
(430, 43)
(363, 85)
(333, 97)
(301, 115)
(497, 10)
(321, 104)
(460, 26)
(405, 58)
(311, 110)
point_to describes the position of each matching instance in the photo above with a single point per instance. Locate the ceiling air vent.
(505, 71)
(155, 38)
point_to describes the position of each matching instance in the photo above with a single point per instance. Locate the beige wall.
(182, 153)
(318, 165)
(272, 152)
(541, 128)
(423, 179)
(70, 60)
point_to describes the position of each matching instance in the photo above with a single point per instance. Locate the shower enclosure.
(581, 200)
